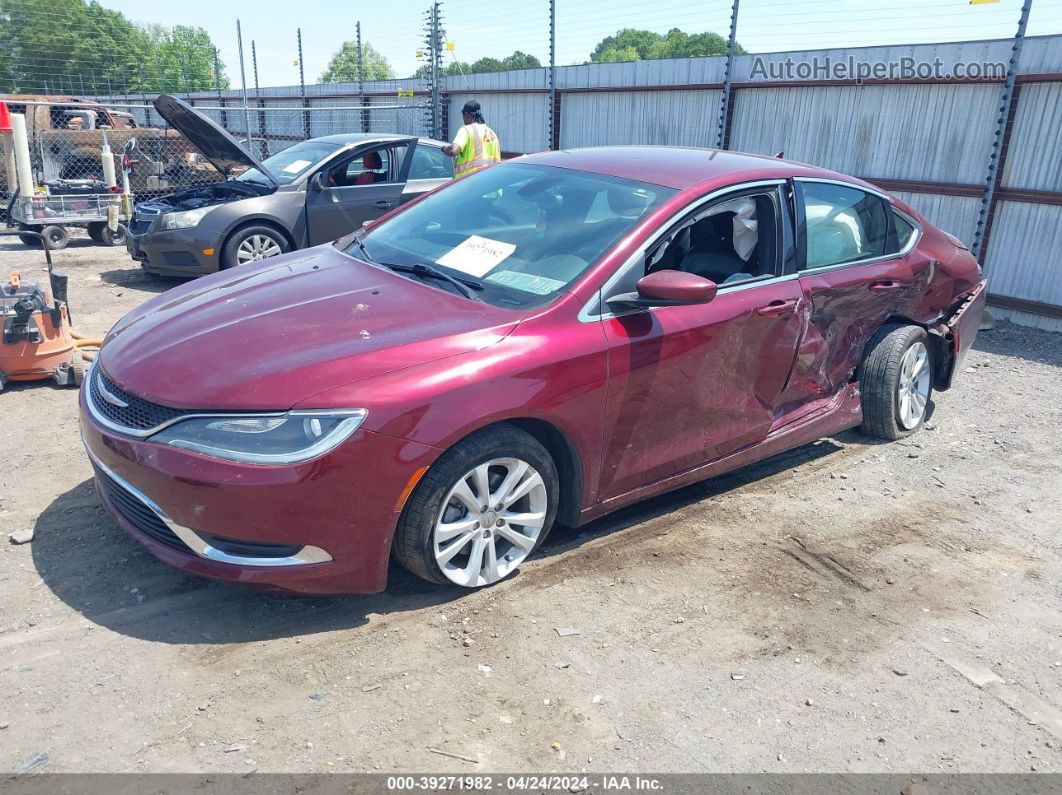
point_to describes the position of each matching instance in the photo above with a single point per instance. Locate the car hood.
(217, 146)
(270, 336)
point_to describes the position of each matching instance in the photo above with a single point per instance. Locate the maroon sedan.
(544, 341)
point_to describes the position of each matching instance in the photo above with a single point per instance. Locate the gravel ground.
(849, 606)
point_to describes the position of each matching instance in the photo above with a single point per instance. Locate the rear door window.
(842, 224)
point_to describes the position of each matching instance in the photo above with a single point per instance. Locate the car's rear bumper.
(962, 325)
(324, 526)
(174, 253)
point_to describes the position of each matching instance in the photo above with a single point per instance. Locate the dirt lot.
(850, 606)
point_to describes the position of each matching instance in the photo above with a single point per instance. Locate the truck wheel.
(252, 243)
(895, 382)
(57, 236)
(115, 238)
(95, 230)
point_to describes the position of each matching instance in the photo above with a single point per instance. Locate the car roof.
(343, 139)
(675, 166)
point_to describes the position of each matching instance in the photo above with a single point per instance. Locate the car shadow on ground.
(135, 278)
(109, 578)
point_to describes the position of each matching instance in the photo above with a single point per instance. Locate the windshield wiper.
(466, 288)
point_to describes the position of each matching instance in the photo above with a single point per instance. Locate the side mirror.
(317, 182)
(668, 288)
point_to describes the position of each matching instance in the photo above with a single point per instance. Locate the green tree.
(518, 60)
(642, 45)
(343, 68)
(78, 47)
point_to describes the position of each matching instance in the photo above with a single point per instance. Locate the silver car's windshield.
(288, 165)
(521, 233)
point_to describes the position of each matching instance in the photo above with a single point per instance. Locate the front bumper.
(323, 526)
(177, 252)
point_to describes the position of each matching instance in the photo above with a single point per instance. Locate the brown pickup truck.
(66, 142)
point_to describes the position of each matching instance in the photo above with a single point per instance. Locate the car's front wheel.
(251, 244)
(895, 382)
(480, 510)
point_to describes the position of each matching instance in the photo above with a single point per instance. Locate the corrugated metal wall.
(664, 118)
(1035, 157)
(954, 214)
(928, 132)
(519, 119)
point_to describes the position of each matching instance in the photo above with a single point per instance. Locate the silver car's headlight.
(182, 220)
(265, 438)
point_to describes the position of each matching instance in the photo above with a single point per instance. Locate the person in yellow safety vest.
(476, 145)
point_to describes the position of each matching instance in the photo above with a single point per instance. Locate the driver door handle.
(383, 204)
(886, 284)
(778, 307)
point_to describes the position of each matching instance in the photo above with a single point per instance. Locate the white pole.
(22, 155)
(108, 163)
(9, 161)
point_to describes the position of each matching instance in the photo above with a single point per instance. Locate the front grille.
(142, 218)
(136, 511)
(137, 415)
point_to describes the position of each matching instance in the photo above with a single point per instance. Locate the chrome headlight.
(288, 438)
(182, 220)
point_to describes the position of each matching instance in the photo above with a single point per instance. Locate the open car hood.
(217, 146)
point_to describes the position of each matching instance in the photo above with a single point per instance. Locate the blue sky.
(484, 27)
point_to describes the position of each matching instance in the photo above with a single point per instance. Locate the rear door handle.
(383, 204)
(886, 284)
(778, 307)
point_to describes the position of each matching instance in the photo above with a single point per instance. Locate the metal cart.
(49, 215)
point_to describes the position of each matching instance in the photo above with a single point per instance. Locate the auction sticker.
(476, 255)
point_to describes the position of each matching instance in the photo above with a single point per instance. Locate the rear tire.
(95, 230)
(895, 382)
(436, 517)
(29, 240)
(251, 244)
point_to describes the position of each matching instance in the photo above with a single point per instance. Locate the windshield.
(288, 165)
(522, 232)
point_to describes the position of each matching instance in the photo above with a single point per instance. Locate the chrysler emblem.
(114, 400)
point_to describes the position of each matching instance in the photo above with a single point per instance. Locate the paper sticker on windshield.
(528, 282)
(295, 166)
(476, 255)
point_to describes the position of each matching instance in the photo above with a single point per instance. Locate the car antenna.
(779, 155)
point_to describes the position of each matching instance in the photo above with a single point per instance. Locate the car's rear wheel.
(480, 510)
(251, 244)
(895, 382)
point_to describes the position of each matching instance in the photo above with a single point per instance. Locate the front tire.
(895, 382)
(481, 509)
(251, 244)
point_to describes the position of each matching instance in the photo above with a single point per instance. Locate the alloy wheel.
(257, 247)
(489, 522)
(912, 389)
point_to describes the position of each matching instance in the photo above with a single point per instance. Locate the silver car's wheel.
(912, 387)
(256, 247)
(490, 521)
